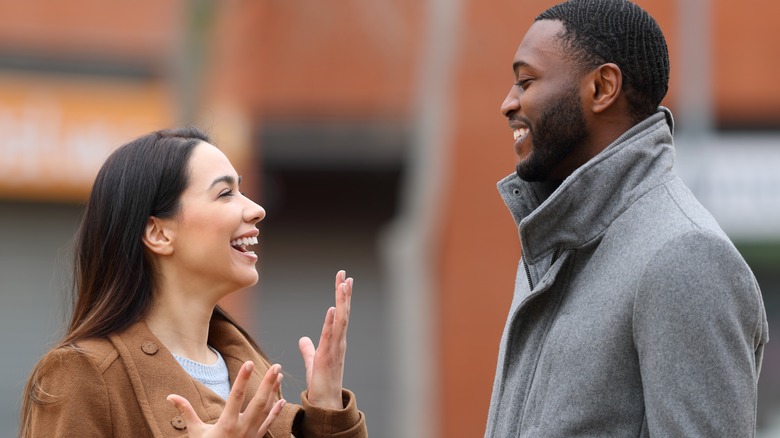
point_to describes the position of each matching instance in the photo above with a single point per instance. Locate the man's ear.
(606, 87)
(158, 237)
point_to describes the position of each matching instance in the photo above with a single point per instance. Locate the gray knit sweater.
(214, 376)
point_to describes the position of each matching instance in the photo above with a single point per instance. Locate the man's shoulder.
(701, 245)
(704, 269)
(668, 211)
(669, 226)
(694, 212)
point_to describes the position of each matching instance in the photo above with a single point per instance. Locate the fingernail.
(174, 403)
(250, 366)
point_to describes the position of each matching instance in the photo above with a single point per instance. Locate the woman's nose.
(254, 212)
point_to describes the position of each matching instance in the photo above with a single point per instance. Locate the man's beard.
(558, 131)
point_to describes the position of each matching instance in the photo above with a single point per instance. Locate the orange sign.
(55, 132)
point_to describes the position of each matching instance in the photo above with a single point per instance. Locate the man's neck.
(599, 138)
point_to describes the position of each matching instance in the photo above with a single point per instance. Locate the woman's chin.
(240, 280)
(248, 279)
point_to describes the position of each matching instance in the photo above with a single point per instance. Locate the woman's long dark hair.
(113, 278)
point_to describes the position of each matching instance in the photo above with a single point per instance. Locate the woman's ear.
(158, 237)
(606, 87)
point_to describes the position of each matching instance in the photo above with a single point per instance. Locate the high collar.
(594, 195)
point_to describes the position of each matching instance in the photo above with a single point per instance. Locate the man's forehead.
(541, 43)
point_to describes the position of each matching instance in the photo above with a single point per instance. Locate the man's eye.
(524, 83)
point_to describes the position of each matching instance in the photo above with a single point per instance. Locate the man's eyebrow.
(225, 179)
(517, 64)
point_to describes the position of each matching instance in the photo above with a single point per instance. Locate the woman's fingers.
(325, 364)
(340, 277)
(337, 318)
(275, 410)
(341, 317)
(260, 406)
(191, 419)
(271, 409)
(327, 329)
(261, 411)
(237, 394)
(307, 352)
(333, 338)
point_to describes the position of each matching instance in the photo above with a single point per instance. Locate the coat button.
(149, 347)
(178, 423)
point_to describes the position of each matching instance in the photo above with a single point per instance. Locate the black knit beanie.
(618, 31)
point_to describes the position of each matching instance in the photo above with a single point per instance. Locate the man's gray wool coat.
(633, 314)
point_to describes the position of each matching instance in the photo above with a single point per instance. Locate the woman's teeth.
(521, 132)
(243, 242)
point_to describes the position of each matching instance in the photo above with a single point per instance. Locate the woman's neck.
(181, 322)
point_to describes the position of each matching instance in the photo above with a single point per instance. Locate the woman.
(148, 353)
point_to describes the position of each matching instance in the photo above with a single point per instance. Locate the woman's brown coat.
(117, 386)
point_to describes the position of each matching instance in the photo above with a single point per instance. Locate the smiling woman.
(148, 352)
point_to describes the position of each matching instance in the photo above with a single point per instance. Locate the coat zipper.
(528, 270)
(528, 275)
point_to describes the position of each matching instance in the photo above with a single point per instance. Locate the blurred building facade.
(371, 134)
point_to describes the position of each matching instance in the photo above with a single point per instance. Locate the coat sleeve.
(72, 398)
(699, 331)
(309, 421)
(336, 423)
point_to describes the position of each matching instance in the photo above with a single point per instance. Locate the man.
(633, 313)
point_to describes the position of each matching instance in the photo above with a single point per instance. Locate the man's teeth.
(520, 132)
(244, 241)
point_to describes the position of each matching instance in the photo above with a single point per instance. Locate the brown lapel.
(154, 374)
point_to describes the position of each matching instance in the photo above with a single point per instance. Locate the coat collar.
(154, 374)
(591, 198)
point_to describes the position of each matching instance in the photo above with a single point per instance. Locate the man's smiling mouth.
(520, 133)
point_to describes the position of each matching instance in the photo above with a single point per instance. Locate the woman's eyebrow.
(226, 179)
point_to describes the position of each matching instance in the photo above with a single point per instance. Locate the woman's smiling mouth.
(241, 243)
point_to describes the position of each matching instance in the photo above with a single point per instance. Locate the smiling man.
(633, 314)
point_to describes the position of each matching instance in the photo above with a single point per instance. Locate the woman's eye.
(226, 193)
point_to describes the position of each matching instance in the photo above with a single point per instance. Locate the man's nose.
(511, 103)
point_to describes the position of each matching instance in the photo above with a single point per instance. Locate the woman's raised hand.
(325, 364)
(256, 418)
